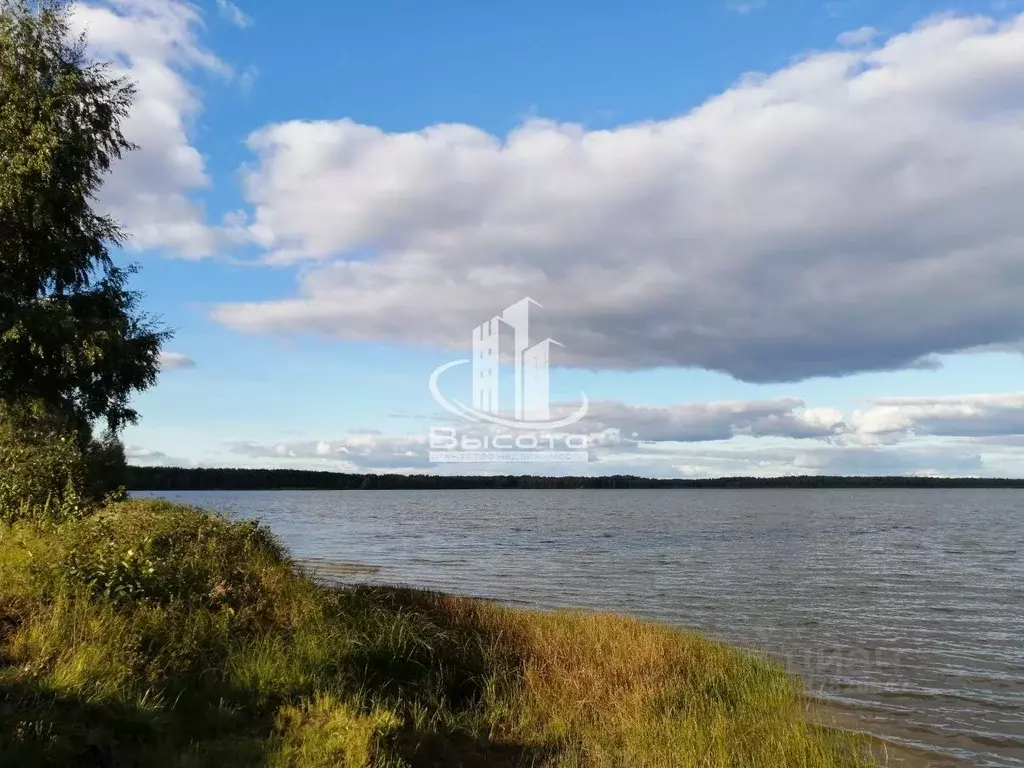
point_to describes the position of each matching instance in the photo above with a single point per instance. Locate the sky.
(770, 237)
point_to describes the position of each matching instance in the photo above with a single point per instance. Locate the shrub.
(43, 472)
(52, 470)
(181, 555)
(106, 469)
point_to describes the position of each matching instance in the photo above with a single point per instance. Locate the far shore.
(167, 479)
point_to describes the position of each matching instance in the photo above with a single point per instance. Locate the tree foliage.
(73, 340)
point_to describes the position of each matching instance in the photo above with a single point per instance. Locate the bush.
(106, 469)
(51, 470)
(182, 556)
(43, 472)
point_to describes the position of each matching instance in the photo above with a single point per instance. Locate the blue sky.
(774, 238)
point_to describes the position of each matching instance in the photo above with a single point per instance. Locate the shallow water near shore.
(903, 609)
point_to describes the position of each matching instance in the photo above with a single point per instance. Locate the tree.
(73, 340)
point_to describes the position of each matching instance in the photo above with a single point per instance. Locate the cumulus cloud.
(934, 461)
(154, 42)
(970, 435)
(855, 37)
(359, 451)
(173, 361)
(140, 456)
(609, 426)
(857, 210)
(612, 429)
(232, 14)
(698, 422)
(985, 415)
(410, 454)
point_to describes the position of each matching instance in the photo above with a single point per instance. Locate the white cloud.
(942, 461)
(855, 37)
(410, 454)
(173, 361)
(969, 435)
(359, 451)
(140, 456)
(698, 422)
(746, 7)
(234, 15)
(614, 429)
(985, 415)
(154, 42)
(855, 211)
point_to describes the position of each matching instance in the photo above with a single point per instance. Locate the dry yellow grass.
(154, 635)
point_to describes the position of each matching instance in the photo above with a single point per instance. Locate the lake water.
(902, 607)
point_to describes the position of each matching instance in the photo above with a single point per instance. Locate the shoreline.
(150, 631)
(886, 750)
(886, 744)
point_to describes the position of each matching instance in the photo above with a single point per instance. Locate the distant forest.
(181, 479)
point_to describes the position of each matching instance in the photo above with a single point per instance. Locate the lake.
(903, 608)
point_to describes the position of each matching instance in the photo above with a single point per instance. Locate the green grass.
(155, 635)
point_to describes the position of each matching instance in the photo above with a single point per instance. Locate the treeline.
(188, 479)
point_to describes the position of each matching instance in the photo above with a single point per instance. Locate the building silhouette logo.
(502, 338)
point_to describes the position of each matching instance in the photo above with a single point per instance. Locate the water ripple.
(903, 607)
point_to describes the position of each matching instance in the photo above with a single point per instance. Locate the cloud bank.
(972, 435)
(855, 211)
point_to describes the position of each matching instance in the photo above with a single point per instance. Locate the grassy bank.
(155, 635)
